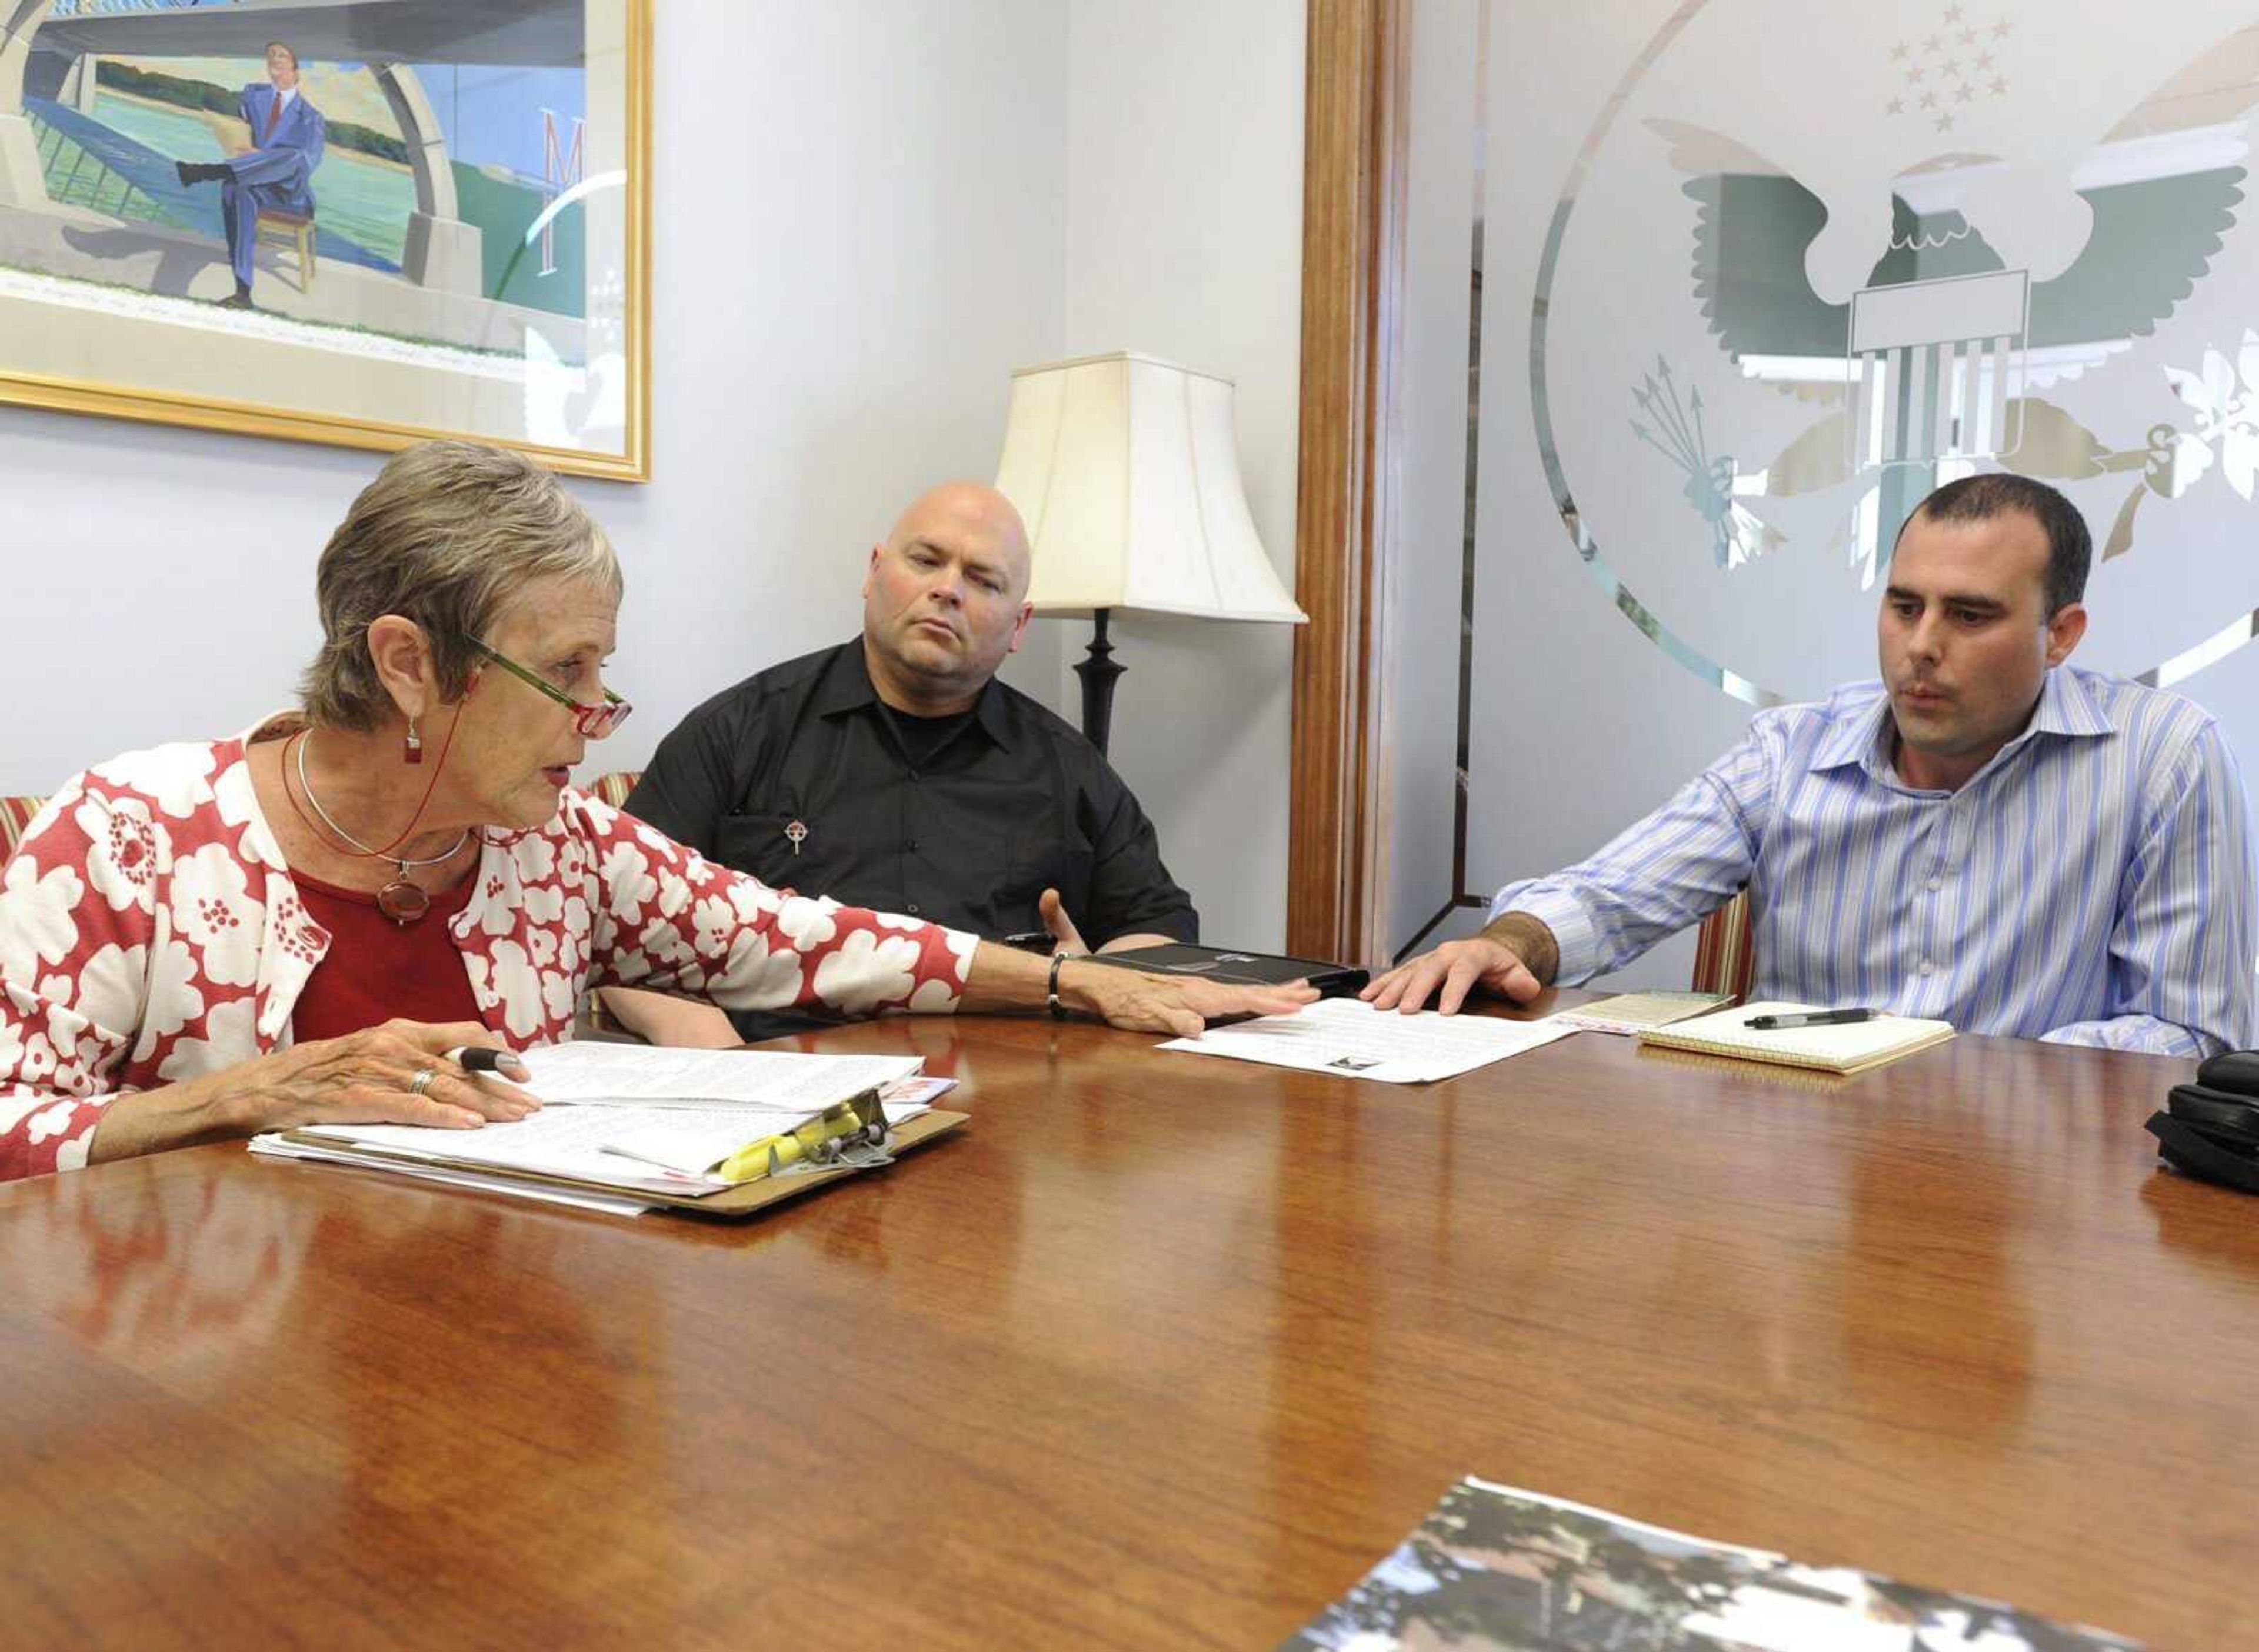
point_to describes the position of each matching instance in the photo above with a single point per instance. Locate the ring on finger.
(422, 1081)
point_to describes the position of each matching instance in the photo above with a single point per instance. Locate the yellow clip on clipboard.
(859, 1121)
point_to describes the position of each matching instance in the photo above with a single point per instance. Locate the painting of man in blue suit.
(287, 136)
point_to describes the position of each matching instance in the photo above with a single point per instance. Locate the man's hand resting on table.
(1514, 959)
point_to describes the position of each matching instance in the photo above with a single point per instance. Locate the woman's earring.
(411, 748)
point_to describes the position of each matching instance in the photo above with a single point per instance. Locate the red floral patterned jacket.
(149, 932)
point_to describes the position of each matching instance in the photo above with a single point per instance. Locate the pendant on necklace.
(401, 900)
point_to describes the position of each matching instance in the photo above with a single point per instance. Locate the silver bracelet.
(1051, 996)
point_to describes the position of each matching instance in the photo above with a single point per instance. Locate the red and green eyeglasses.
(592, 722)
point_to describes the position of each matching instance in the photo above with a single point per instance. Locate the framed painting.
(360, 221)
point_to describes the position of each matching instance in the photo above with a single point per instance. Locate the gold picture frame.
(461, 249)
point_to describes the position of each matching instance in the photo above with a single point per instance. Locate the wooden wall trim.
(1353, 235)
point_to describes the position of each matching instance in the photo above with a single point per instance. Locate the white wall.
(864, 216)
(1184, 240)
(859, 231)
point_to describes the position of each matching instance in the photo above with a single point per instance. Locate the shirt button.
(1937, 883)
(1926, 965)
(912, 910)
(909, 845)
(911, 775)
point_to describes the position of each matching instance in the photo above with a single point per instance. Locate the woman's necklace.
(402, 899)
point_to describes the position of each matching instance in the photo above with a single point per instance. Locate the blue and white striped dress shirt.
(2090, 884)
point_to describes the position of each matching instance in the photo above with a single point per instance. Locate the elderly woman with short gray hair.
(315, 921)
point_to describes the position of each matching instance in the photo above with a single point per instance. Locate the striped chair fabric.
(15, 814)
(1725, 956)
(614, 788)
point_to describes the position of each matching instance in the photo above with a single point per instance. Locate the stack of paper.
(621, 1120)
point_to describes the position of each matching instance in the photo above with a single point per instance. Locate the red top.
(378, 971)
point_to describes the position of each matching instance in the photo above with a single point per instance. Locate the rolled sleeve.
(1671, 870)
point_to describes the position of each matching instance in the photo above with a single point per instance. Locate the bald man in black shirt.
(894, 772)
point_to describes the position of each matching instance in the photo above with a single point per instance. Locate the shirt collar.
(847, 687)
(1854, 739)
(2065, 708)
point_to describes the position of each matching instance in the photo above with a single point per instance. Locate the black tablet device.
(1241, 969)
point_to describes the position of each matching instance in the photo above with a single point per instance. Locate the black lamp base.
(1098, 673)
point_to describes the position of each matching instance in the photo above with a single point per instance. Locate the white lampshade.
(1126, 471)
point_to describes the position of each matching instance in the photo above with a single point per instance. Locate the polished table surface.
(1159, 1351)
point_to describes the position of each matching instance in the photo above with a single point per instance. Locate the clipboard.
(743, 1200)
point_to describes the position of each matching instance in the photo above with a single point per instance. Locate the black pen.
(1812, 1018)
(485, 1058)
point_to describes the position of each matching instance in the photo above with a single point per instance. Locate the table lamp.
(1126, 471)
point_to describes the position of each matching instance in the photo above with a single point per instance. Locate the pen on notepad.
(1812, 1018)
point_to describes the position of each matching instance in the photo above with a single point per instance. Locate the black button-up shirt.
(803, 777)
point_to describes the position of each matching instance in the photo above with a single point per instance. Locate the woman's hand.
(370, 1077)
(1143, 1000)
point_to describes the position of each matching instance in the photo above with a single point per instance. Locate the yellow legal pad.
(1849, 1049)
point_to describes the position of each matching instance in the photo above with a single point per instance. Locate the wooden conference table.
(1160, 1351)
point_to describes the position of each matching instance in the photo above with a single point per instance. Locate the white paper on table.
(609, 1204)
(1348, 1037)
(597, 1074)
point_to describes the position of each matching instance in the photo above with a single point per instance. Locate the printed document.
(598, 1075)
(1348, 1036)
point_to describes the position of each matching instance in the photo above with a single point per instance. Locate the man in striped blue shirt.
(1988, 836)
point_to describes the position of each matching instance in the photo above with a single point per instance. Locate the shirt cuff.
(961, 944)
(2146, 1035)
(1561, 912)
(46, 1132)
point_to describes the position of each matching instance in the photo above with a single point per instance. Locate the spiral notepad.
(1853, 1048)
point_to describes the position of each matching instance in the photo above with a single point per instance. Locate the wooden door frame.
(1354, 197)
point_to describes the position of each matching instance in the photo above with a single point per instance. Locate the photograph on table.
(1494, 1569)
(363, 222)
